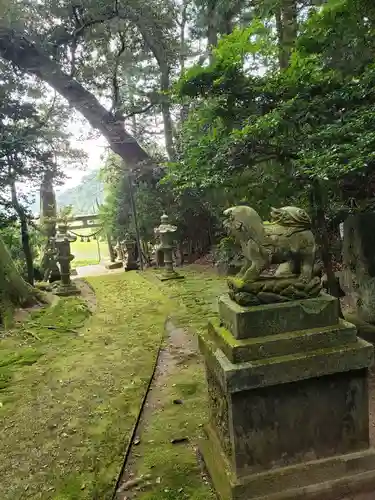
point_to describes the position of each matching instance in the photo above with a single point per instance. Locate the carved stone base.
(259, 321)
(326, 479)
(282, 403)
(115, 265)
(66, 290)
(169, 275)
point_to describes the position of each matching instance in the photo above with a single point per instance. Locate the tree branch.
(15, 47)
(115, 85)
(139, 111)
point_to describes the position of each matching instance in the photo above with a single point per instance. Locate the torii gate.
(79, 222)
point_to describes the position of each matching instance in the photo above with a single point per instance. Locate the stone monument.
(62, 242)
(166, 233)
(116, 255)
(287, 378)
(129, 245)
(358, 275)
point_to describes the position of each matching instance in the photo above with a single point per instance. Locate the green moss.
(194, 303)
(176, 464)
(70, 399)
(187, 388)
(195, 297)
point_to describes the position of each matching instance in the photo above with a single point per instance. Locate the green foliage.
(10, 233)
(312, 121)
(153, 196)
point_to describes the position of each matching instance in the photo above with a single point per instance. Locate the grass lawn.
(87, 253)
(69, 396)
(174, 468)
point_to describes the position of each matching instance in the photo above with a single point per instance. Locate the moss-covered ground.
(71, 387)
(173, 468)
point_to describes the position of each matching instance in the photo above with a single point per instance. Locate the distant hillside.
(82, 197)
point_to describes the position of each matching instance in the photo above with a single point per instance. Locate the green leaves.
(314, 120)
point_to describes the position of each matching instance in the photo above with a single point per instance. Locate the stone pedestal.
(288, 399)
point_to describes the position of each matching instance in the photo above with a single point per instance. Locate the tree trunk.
(111, 252)
(12, 285)
(30, 57)
(48, 215)
(25, 239)
(316, 200)
(286, 27)
(184, 111)
(166, 111)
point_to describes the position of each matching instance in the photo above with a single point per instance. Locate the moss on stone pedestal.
(241, 350)
(259, 321)
(293, 384)
(66, 290)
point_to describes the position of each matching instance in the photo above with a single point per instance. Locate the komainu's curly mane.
(291, 217)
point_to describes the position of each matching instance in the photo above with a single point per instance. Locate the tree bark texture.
(48, 215)
(166, 112)
(27, 55)
(12, 285)
(316, 200)
(25, 238)
(287, 27)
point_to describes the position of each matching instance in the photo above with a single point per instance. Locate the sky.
(95, 148)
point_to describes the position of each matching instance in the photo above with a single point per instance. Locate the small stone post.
(130, 246)
(166, 233)
(64, 257)
(120, 253)
(115, 263)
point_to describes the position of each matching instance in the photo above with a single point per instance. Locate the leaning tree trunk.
(14, 291)
(32, 58)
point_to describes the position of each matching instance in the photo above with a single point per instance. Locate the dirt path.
(95, 270)
(180, 348)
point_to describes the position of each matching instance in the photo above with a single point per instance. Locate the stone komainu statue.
(286, 240)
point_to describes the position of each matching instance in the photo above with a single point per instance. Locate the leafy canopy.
(314, 120)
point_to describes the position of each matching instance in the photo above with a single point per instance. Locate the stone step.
(242, 350)
(284, 369)
(273, 319)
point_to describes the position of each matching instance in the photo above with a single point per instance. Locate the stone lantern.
(166, 234)
(130, 248)
(62, 242)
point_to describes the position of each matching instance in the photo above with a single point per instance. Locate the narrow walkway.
(95, 270)
(179, 349)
